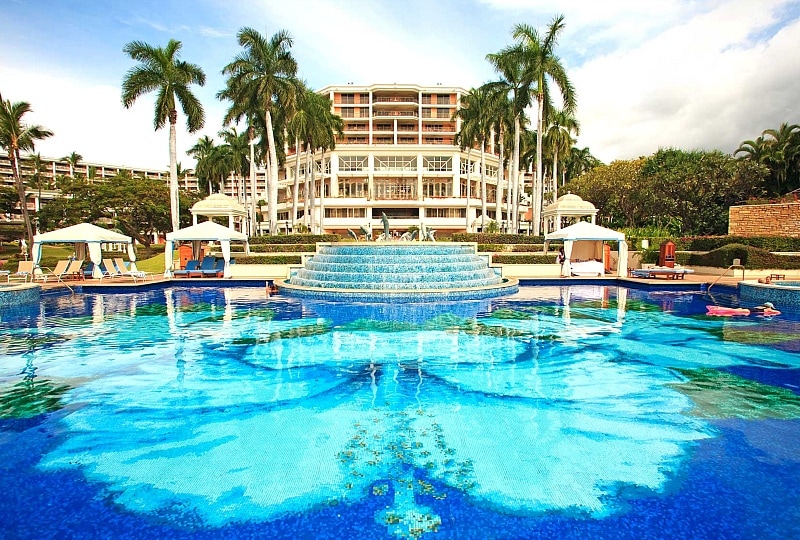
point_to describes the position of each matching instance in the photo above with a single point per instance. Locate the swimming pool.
(559, 412)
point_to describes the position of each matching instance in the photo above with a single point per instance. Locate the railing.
(731, 267)
(394, 99)
(412, 114)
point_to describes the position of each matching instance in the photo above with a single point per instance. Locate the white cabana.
(205, 231)
(583, 249)
(83, 235)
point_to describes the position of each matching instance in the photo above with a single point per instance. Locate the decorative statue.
(366, 232)
(353, 235)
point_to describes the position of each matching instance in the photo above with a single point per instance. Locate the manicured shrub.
(751, 258)
(523, 259)
(294, 239)
(269, 259)
(282, 248)
(486, 238)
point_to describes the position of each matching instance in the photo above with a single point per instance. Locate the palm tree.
(38, 180)
(501, 117)
(466, 138)
(16, 136)
(297, 128)
(540, 66)
(475, 114)
(259, 77)
(514, 79)
(161, 71)
(201, 151)
(331, 127)
(73, 159)
(783, 152)
(561, 127)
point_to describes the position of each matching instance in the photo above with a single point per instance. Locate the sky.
(648, 74)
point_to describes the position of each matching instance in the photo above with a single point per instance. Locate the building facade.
(398, 156)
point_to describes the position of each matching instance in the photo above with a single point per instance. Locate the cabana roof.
(583, 230)
(207, 230)
(83, 232)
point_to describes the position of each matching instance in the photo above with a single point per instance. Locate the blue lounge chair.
(215, 270)
(206, 268)
(191, 266)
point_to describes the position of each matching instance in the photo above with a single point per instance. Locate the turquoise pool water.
(559, 412)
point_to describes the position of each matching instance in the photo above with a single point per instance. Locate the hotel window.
(437, 163)
(363, 98)
(426, 113)
(348, 98)
(356, 187)
(426, 99)
(395, 163)
(345, 213)
(445, 212)
(395, 189)
(465, 168)
(352, 163)
(363, 112)
(347, 113)
(491, 171)
(437, 187)
(443, 99)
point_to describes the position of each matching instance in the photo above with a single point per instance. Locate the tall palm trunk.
(483, 184)
(469, 185)
(272, 187)
(14, 156)
(537, 211)
(174, 201)
(515, 177)
(555, 173)
(253, 222)
(296, 195)
(322, 193)
(498, 210)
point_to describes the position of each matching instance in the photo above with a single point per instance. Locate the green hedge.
(282, 248)
(523, 259)
(294, 239)
(751, 258)
(270, 259)
(708, 243)
(487, 238)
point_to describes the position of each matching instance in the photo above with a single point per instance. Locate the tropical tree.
(16, 136)
(515, 82)
(501, 118)
(160, 70)
(37, 178)
(200, 151)
(475, 113)
(466, 138)
(561, 127)
(73, 159)
(541, 65)
(260, 77)
(239, 146)
(331, 127)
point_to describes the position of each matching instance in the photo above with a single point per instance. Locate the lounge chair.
(88, 270)
(74, 270)
(206, 268)
(191, 266)
(219, 268)
(109, 270)
(669, 273)
(135, 274)
(25, 272)
(58, 272)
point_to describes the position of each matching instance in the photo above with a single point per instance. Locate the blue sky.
(685, 73)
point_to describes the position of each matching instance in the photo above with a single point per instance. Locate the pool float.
(722, 311)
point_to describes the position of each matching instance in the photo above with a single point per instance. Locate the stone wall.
(781, 219)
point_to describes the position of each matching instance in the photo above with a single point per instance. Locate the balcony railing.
(393, 99)
(411, 114)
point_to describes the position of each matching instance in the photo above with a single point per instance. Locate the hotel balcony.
(391, 113)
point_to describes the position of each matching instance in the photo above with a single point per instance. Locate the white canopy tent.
(583, 243)
(83, 235)
(205, 231)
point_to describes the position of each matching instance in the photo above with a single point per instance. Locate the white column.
(456, 174)
(419, 176)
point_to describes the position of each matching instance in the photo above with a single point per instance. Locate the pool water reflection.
(583, 411)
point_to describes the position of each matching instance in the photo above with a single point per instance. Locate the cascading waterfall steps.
(397, 272)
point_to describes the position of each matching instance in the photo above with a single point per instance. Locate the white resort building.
(398, 157)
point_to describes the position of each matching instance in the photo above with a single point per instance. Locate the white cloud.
(89, 119)
(700, 84)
